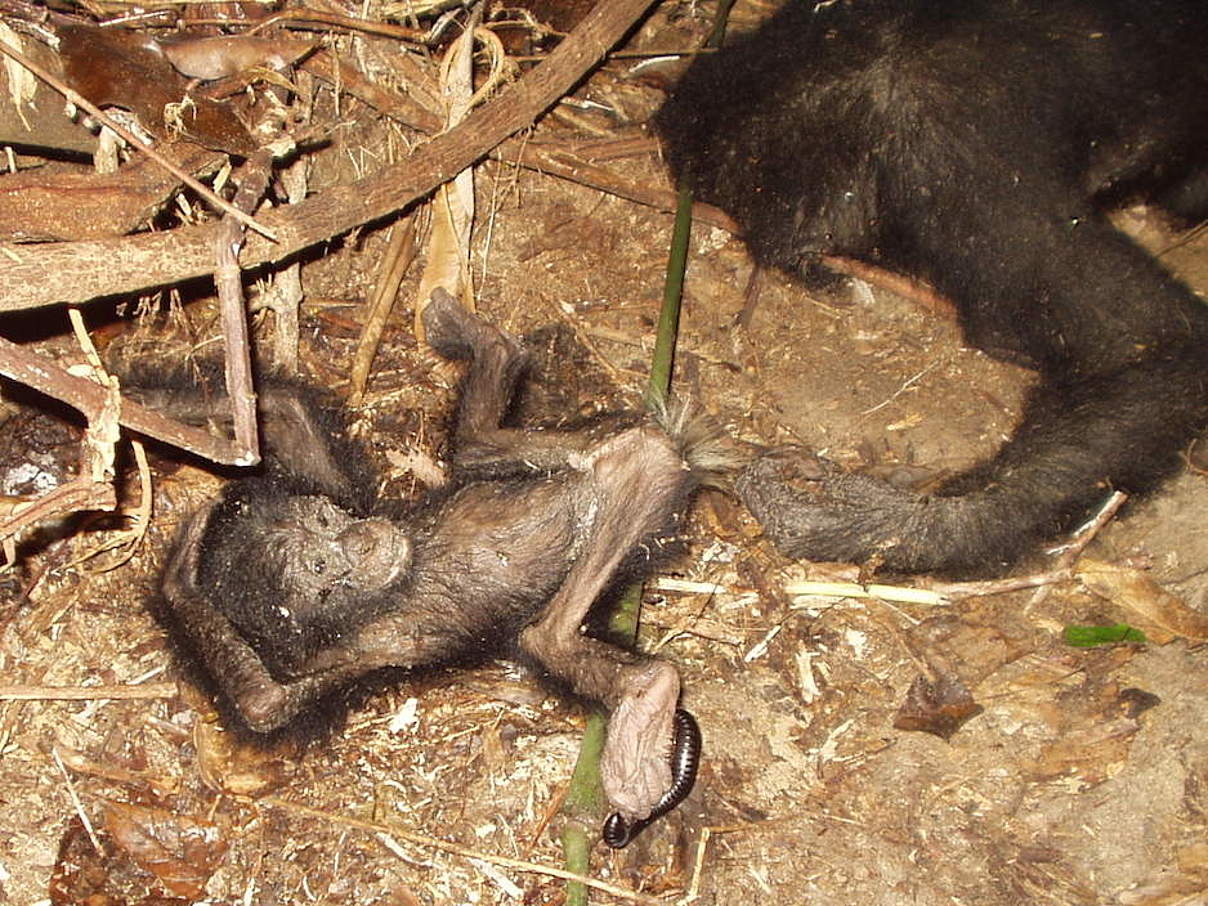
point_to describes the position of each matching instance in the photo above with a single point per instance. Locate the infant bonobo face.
(326, 557)
(295, 573)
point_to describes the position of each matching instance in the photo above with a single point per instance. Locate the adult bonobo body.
(289, 585)
(975, 143)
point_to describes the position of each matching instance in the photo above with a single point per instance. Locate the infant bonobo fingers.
(263, 706)
(685, 760)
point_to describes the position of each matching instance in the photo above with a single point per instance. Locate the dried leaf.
(80, 871)
(1166, 890)
(218, 58)
(1138, 592)
(31, 112)
(1133, 702)
(181, 852)
(1090, 727)
(940, 707)
(1089, 747)
(84, 876)
(113, 68)
(453, 205)
(22, 85)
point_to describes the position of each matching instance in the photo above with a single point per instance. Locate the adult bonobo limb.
(976, 144)
(288, 586)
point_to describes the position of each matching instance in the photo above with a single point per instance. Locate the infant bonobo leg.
(497, 361)
(263, 703)
(637, 480)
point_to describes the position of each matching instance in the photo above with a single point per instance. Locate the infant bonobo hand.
(651, 755)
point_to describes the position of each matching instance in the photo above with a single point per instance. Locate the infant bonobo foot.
(651, 754)
(810, 507)
(458, 334)
(685, 759)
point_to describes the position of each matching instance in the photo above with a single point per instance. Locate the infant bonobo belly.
(513, 535)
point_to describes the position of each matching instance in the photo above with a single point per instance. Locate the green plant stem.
(585, 797)
(673, 291)
(576, 850)
(717, 34)
(584, 803)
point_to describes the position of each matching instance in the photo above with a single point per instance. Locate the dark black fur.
(975, 143)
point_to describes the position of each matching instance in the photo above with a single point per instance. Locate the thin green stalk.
(718, 33)
(583, 806)
(673, 291)
(584, 803)
(585, 797)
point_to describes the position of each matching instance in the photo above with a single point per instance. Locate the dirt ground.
(1084, 779)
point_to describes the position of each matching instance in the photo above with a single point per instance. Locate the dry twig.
(254, 177)
(456, 849)
(92, 488)
(399, 255)
(121, 692)
(86, 396)
(78, 271)
(81, 765)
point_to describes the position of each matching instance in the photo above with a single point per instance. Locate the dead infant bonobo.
(288, 586)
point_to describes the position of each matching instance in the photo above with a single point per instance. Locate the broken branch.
(79, 271)
(87, 396)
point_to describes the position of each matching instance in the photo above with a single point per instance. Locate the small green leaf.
(1090, 636)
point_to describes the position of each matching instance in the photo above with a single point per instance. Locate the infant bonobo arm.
(293, 434)
(264, 703)
(638, 480)
(497, 361)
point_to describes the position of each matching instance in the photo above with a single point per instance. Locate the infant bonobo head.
(293, 572)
